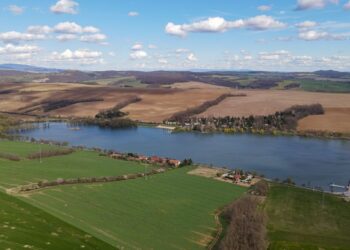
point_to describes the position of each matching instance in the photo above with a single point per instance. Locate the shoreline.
(327, 135)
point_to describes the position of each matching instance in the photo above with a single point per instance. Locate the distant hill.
(28, 68)
(332, 73)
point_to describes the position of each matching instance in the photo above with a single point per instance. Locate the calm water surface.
(308, 161)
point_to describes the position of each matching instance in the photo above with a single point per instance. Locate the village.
(155, 160)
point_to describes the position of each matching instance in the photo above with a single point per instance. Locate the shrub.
(246, 229)
(50, 153)
(261, 188)
(11, 157)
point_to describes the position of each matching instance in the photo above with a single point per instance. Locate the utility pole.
(322, 199)
(40, 155)
(145, 172)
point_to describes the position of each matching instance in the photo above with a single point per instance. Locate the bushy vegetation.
(11, 157)
(50, 153)
(82, 180)
(115, 123)
(261, 188)
(53, 105)
(115, 111)
(286, 120)
(246, 229)
(6, 123)
(81, 164)
(185, 115)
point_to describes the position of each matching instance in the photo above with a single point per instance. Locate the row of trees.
(182, 116)
(247, 226)
(50, 153)
(286, 120)
(84, 180)
(11, 157)
(115, 123)
(115, 111)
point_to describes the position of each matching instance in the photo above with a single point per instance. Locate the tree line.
(182, 116)
(50, 153)
(246, 229)
(83, 180)
(286, 120)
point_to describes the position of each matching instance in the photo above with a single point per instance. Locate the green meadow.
(173, 210)
(77, 164)
(303, 219)
(23, 226)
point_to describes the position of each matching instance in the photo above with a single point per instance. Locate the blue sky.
(288, 35)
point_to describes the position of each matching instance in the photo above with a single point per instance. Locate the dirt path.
(219, 231)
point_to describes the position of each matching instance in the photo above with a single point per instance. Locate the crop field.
(173, 210)
(168, 211)
(77, 164)
(301, 219)
(325, 86)
(23, 226)
(335, 119)
(162, 102)
(265, 102)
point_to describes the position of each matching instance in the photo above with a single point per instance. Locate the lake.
(317, 162)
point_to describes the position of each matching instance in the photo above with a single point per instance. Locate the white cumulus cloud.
(219, 24)
(65, 6)
(81, 56)
(138, 54)
(314, 4)
(22, 52)
(66, 37)
(13, 49)
(314, 35)
(16, 10)
(74, 28)
(264, 7)
(137, 46)
(306, 24)
(94, 38)
(133, 13)
(16, 37)
(192, 57)
(39, 29)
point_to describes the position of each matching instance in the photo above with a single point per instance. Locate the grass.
(325, 86)
(24, 226)
(297, 219)
(167, 211)
(77, 164)
(22, 148)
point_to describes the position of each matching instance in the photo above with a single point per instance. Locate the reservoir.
(309, 161)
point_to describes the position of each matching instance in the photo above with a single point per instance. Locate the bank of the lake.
(310, 161)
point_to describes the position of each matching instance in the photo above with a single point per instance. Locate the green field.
(325, 86)
(78, 164)
(173, 210)
(24, 226)
(298, 220)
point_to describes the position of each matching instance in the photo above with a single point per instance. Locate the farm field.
(77, 164)
(265, 102)
(160, 103)
(24, 226)
(298, 220)
(335, 119)
(168, 211)
(171, 210)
